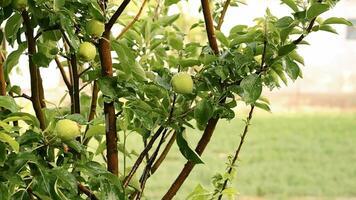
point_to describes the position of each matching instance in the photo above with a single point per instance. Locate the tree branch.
(238, 149)
(222, 16)
(209, 129)
(164, 154)
(35, 93)
(133, 21)
(63, 73)
(142, 156)
(87, 191)
(116, 15)
(109, 108)
(2, 75)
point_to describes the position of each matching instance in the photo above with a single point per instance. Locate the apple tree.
(149, 78)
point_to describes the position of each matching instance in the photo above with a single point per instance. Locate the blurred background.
(305, 149)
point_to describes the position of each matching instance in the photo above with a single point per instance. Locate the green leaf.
(291, 4)
(175, 42)
(188, 62)
(199, 193)
(95, 130)
(9, 103)
(252, 88)
(12, 26)
(316, 10)
(184, 148)
(263, 106)
(222, 38)
(26, 117)
(80, 119)
(203, 112)
(168, 20)
(292, 70)
(13, 58)
(327, 28)
(8, 139)
(286, 49)
(170, 2)
(337, 20)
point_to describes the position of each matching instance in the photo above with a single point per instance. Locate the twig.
(87, 69)
(133, 21)
(85, 85)
(63, 73)
(146, 173)
(238, 149)
(87, 191)
(142, 156)
(164, 153)
(222, 16)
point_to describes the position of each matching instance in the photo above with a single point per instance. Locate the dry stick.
(133, 21)
(142, 156)
(222, 16)
(238, 148)
(109, 108)
(87, 191)
(209, 129)
(164, 153)
(35, 93)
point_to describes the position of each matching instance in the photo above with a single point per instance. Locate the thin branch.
(133, 21)
(142, 156)
(238, 149)
(146, 173)
(222, 16)
(116, 15)
(2, 74)
(55, 27)
(164, 154)
(63, 73)
(92, 111)
(84, 86)
(87, 69)
(209, 24)
(87, 191)
(35, 93)
(23, 96)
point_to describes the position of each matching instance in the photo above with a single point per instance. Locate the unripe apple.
(95, 28)
(87, 51)
(182, 83)
(4, 3)
(67, 129)
(19, 4)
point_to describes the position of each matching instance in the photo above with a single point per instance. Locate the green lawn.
(285, 155)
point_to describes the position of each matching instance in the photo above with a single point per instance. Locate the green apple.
(67, 129)
(95, 28)
(182, 83)
(4, 3)
(87, 51)
(19, 4)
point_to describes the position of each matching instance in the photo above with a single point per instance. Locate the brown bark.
(109, 108)
(75, 84)
(209, 129)
(35, 91)
(164, 154)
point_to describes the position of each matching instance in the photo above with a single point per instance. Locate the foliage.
(135, 86)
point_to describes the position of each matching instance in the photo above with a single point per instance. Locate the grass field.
(285, 156)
